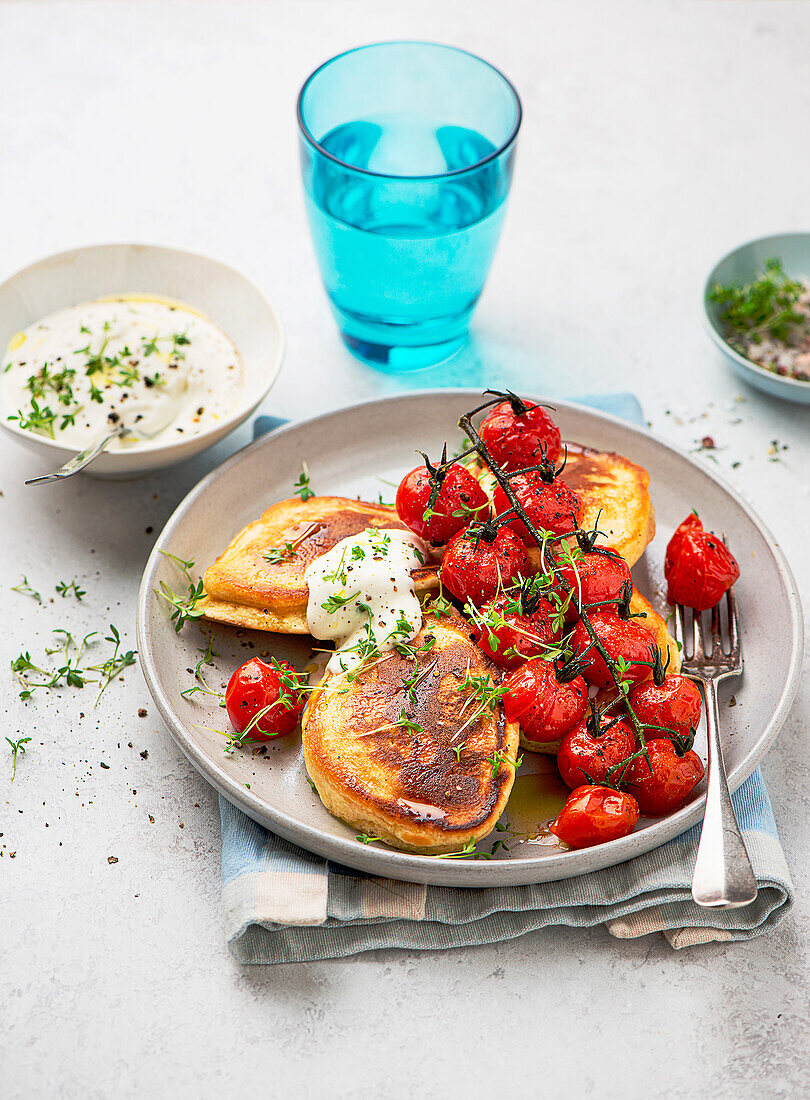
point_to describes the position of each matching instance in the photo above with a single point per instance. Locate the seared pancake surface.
(619, 489)
(385, 762)
(615, 496)
(245, 588)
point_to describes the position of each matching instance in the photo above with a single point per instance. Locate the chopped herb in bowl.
(768, 320)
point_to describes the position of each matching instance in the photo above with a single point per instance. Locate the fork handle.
(723, 877)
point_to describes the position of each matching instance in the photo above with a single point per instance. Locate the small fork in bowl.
(723, 877)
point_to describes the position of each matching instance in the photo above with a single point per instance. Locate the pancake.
(666, 646)
(405, 784)
(245, 589)
(615, 496)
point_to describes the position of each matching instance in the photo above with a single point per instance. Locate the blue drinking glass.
(407, 151)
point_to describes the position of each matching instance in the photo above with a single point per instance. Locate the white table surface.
(656, 136)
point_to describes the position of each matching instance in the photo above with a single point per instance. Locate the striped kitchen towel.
(283, 904)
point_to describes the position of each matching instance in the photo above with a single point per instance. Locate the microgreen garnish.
(64, 589)
(17, 747)
(499, 758)
(467, 850)
(39, 419)
(302, 487)
(26, 590)
(335, 602)
(407, 724)
(766, 305)
(71, 672)
(202, 686)
(115, 664)
(364, 838)
(184, 608)
(277, 554)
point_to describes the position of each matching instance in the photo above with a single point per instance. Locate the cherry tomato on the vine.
(672, 779)
(475, 569)
(520, 439)
(595, 577)
(509, 635)
(543, 706)
(595, 815)
(698, 566)
(257, 685)
(550, 506)
(626, 639)
(585, 758)
(460, 499)
(675, 704)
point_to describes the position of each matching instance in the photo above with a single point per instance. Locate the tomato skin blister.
(698, 567)
(595, 815)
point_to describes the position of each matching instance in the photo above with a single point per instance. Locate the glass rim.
(310, 138)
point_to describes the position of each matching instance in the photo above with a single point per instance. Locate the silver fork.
(723, 877)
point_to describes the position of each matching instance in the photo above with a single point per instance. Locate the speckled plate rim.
(789, 389)
(386, 862)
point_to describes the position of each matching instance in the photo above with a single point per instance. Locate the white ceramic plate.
(227, 298)
(358, 451)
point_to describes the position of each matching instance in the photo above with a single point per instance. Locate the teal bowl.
(743, 265)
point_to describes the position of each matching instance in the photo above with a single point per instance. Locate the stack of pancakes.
(442, 777)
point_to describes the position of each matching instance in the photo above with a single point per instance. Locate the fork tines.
(689, 632)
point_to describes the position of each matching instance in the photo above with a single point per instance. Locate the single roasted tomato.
(475, 568)
(595, 577)
(672, 779)
(519, 434)
(544, 707)
(627, 639)
(550, 505)
(512, 628)
(595, 815)
(460, 499)
(698, 566)
(272, 691)
(675, 704)
(586, 756)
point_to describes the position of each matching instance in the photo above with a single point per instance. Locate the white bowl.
(227, 298)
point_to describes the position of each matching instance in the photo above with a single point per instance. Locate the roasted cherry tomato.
(519, 439)
(698, 566)
(627, 639)
(672, 779)
(475, 569)
(543, 707)
(594, 815)
(510, 635)
(551, 506)
(595, 577)
(675, 703)
(257, 685)
(584, 757)
(460, 499)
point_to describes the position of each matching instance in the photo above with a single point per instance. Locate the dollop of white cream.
(153, 365)
(361, 595)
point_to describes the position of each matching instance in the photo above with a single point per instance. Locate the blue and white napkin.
(283, 904)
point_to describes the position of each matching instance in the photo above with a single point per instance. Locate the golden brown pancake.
(246, 589)
(615, 496)
(666, 645)
(405, 784)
